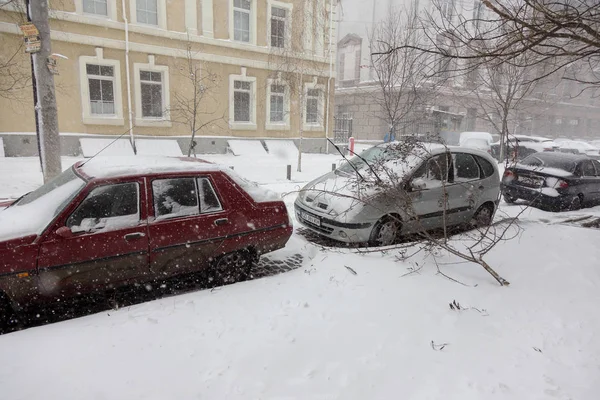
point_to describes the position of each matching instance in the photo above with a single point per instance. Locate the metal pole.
(128, 77)
(45, 106)
(289, 172)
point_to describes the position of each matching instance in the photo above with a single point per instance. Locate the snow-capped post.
(45, 108)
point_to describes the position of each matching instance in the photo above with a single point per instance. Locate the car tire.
(508, 199)
(385, 232)
(483, 216)
(233, 267)
(8, 317)
(576, 203)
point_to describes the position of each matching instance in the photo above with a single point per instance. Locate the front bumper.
(323, 224)
(538, 199)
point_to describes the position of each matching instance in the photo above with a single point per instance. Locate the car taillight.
(548, 149)
(509, 175)
(562, 184)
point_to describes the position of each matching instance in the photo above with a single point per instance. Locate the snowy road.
(323, 332)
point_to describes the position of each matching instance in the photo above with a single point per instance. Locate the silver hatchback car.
(389, 191)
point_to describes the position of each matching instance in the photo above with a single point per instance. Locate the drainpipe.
(127, 73)
(327, 116)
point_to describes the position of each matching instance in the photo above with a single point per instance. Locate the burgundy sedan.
(106, 223)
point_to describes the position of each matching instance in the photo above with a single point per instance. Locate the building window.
(242, 101)
(152, 93)
(278, 105)
(276, 102)
(99, 7)
(147, 11)
(152, 97)
(278, 29)
(101, 83)
(96, 8)
(312, 105)
(241, 20)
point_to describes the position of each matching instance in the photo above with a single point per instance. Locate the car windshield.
(371, 156)
(557, 161)
(34, 211)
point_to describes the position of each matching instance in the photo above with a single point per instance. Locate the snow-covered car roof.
(425, 149)
(112, 167)
(534, 138)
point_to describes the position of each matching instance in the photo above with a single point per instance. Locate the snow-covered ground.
(323, 332)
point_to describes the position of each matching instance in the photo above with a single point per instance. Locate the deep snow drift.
(323, 332)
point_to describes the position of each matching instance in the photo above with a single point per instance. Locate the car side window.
(435, 171)
(486, 167)
(107, 208)
(465, 167)
(597, 165)
(209, 202)
(173, 198)
(588, 168)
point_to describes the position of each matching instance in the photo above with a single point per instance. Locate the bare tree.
(557, 32)
(500, 92)
(404, 181)
(404, 77)
(15, 65)
(194, 104)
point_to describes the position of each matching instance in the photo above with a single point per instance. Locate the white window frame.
(242, 125)
(166, 94)
(96, 119)
(289, 8)
(161, 9)
(311, 126)
(111, 11)
(252, 23)
(285, 124)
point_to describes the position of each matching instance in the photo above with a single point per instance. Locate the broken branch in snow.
(455, 306)
(351, 270)
(438, 347)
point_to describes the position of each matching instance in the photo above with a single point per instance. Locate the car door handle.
(134, 236)
(221, 221)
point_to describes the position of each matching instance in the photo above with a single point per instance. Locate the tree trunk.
(46, 99)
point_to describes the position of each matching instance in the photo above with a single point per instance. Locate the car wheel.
(508, 199)
(576, 203)
(483, 216)
(8, 317)
(385, 232)
(233, 267)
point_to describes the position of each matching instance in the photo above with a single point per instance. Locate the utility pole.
(44, 97)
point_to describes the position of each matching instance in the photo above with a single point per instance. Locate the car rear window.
(487, 168)
(551, 161)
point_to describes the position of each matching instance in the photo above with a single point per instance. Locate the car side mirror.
(64, 232)
(418, 184)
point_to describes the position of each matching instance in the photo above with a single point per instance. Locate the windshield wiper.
(17, 200)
